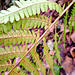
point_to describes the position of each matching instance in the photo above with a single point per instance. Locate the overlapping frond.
(71, 19)
(47, 55)
(17, 72)
(29, 12)
(20, 17)
(27, 64)
(34, 21)
(26, 9)
(4, 28)
(5, 67)
(74, 27)
(65, 25)
(56, 46)
(39, 64)
(18, 37)
(10, 52)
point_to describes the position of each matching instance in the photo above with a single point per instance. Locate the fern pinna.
(15, 23)
(71, 20)
(23, 11)
(26, 9)
(18, 36)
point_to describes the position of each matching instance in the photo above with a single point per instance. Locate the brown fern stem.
(44, 34)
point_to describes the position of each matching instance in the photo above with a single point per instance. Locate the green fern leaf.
(56, 46)
(19, 4)
(11, 52)
(4, 67)
(12, 18)
(50, 6)
(1, 29)
(18, 25)
(21, 14)
(29, 66)
(74, 27)
(46, 7)
(34, 9)
(27, 8)
(38, 8)
(38, 61)
(26, 13)
(18, 36)
(6, 17)
(23, 23)
(15, 72)
(65, 25)
(9, 26)
(71, 19)
(17, 17)
(42, 7)
(47, 55)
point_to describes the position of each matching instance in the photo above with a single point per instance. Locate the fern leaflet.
(56, 46)
(47, 55)
(29, 66)
(71, 20)
(39, 64)
(65, 25)
(26, 9)
(18, 36)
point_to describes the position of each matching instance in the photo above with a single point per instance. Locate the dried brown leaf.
(67, 65)
(73, 37)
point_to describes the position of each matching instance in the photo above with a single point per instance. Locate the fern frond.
(71, 20)
(26, 9)
(56, 46)
(8, 53)
(18, 72)
(65, 25)
(74, 27)
(26, 63)
(5, 67)
(15, 72)
(18, 36)
(47, 55)
(42, 36)
(35, 21)
(4, 28)
(39, 64)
